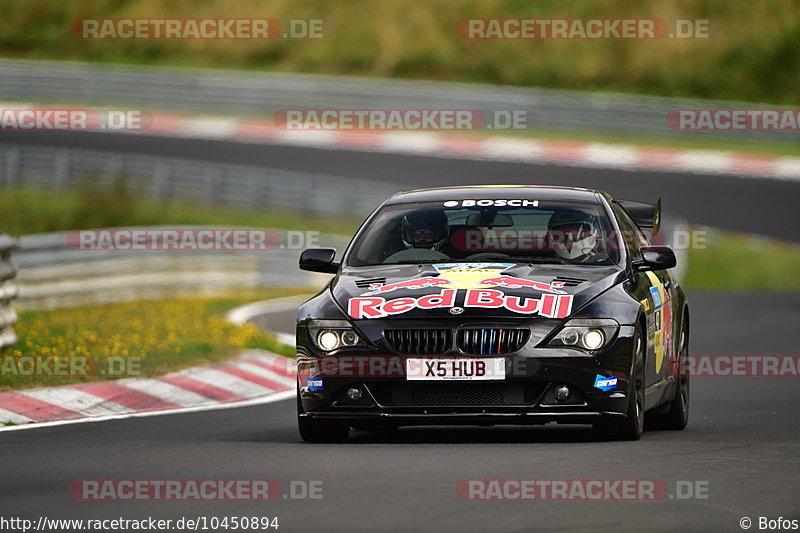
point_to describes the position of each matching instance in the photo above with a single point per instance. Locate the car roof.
(480, 192)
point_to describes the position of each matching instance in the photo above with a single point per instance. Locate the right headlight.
(330, 335)
(589, 334)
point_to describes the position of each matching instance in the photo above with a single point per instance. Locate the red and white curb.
(494, 147)
(480, 147)
(255, 377)
(245, 313)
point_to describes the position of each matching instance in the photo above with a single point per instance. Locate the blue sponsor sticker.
(604, 383)
(656, 294)
(314, 384)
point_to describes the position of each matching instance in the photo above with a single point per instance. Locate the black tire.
(630, 427)
(677, 414)
(320, 430)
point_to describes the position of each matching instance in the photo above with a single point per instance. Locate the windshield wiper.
(543, 260)
(517, 259)
(532, 259)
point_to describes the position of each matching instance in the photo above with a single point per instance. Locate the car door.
(653, 291)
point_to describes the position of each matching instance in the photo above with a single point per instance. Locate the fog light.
(354, 394)
(562, 393)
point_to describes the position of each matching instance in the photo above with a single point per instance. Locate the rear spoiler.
(645, 215)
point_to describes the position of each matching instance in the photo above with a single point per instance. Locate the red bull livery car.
(495, 305)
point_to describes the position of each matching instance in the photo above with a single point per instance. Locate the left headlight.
(330, 335)
(588, 334)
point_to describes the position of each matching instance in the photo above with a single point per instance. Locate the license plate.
(455, 369)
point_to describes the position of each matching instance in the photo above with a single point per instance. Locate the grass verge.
(736, 262)
(150, 337)
(29, 210)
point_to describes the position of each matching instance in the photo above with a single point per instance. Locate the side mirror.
(655, 258)
(319, 260)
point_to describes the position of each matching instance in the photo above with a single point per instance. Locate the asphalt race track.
(742, 443)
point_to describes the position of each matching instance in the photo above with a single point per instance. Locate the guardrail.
(8, 291)
(162, 178)
(54, 275)
(260, 93)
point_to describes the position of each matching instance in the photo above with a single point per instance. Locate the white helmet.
(573, 234)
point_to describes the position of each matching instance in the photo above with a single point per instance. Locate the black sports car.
(495, 305)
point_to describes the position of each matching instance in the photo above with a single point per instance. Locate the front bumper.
(460, 418)
(526, 396)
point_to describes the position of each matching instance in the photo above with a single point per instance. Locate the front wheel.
(320, 430)
(631, 427)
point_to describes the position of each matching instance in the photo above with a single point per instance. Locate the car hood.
(468, 289)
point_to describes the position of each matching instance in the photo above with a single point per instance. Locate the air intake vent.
(569, 282)
(492, 341)
(419, 341)
(467, 394)
(365, 283)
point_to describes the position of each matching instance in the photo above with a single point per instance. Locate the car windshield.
(528, 231)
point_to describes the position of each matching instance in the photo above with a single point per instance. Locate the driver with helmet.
(424, 233)
(575, 236)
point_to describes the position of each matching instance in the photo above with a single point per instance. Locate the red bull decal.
(468, 276)
(420, 283)
(517, 283)
(477, 279)
(549, 305)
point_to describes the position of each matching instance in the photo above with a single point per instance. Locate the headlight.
(588, 334)
(328, 339)
(330, 335)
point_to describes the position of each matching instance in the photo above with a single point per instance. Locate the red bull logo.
(468, 276)
(420, 283)
(549, 305)
(476, 279)
(510, 282)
